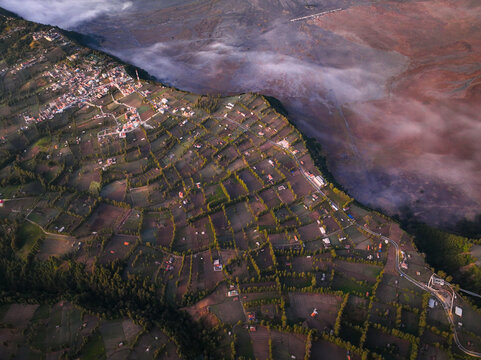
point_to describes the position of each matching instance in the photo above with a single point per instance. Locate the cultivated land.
(140, 221)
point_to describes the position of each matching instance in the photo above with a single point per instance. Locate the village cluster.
(81, 86)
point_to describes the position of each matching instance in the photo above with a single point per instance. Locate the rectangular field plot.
(118, 247)
(377, 341)
(147, 262)
(54, 245)
(229, 311)
(104, 217)
(244, 345)
(43, 216)
(152, 343)
(115, 190)
(60, 329)
(157, 229)
(19, 315)
(116, 336)
(357, 270)
(286, 345)
(301, 306)
(324, 350)
(65, 222)
(239, 216)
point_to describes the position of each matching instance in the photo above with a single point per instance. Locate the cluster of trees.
(208, 103)
(449, 253)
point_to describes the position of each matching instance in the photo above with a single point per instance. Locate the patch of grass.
(27, 237)
(94, 348)
(44, 142)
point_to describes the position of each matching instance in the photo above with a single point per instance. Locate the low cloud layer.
(391, 148)
(64, 13)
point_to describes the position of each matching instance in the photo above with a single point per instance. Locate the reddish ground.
(426, 121)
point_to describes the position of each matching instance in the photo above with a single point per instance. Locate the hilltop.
(141, 221)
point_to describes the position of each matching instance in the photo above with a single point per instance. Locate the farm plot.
(285, 194)
(82, 205)
(53, 245)
(27, 237)
(209, 173)
(270, 198)
(59, 330)
(256, 205)
(244, 345)
(146, 177)
(301, 306)
(234, 188)
(348, 283)
(133, 167)
(253, 184)
(198, 271)
(104, 217)
(239, 216)
(229, 311)
(220, 223)
(260, 342)
(117, 334)
(356, 237)
(286, 346)
(43, 216)
(131, 224)
(157, 229)
(145, 261)
(200, 234)
(211, 277)
(323, 350)
(83, 178)
(309, 232)
(358, 271)
(281, 241)
(21, 205)
(383, 314)
(65, 223)
(302, 263)
(263, 259)
(215, 195)
(266, 312)
(300, 186)
(377, 341)
(139, 197)
(196, 203)
(118, 247)
(236, 165)
(153, 342)
(19, 315)
(115, 190)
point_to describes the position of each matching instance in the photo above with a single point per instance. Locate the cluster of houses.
(50, 35)
(187, 112)
(318, 180)
(83, 84)
(11, 31)
(217, 265)
(27, 63)
(169, 264)
(108, 162)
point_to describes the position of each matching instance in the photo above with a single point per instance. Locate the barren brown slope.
(428, 124)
